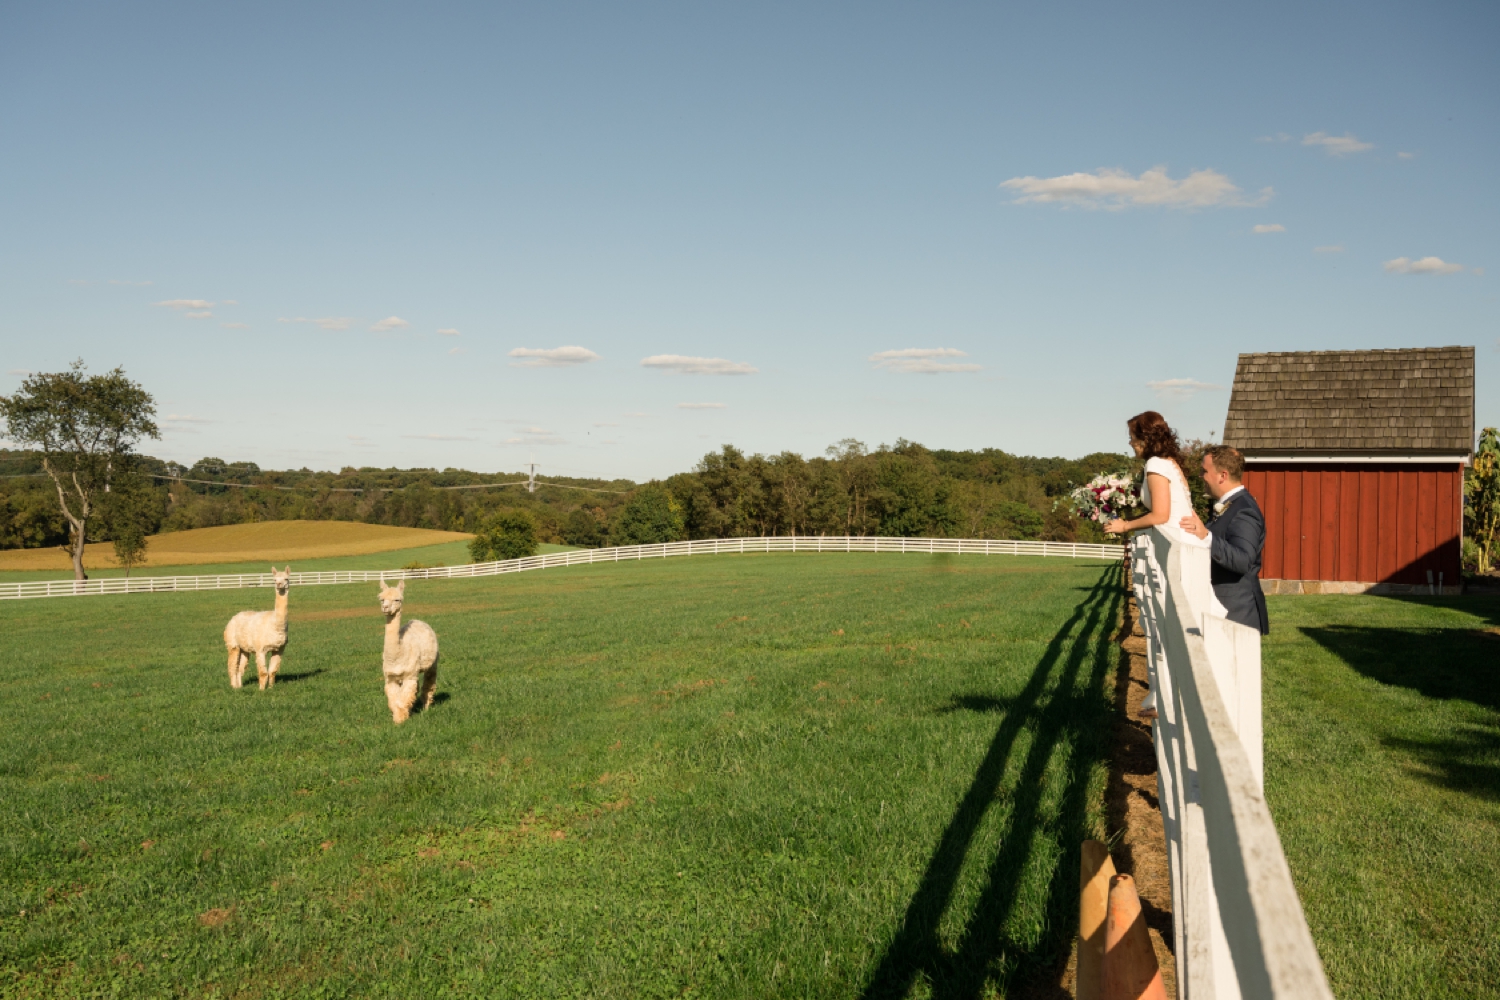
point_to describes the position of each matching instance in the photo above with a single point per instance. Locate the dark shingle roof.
(1406, 402)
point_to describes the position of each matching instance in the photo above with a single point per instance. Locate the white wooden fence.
(1238, 922)
(576, 557)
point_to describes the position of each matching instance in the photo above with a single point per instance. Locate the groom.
(1235, 537)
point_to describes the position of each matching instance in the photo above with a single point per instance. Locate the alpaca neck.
(280, 611)
(392, 635)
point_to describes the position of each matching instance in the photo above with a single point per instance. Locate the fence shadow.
(1441, 664)
(1059, 708)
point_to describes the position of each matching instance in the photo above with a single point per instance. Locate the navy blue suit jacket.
(1239, 535)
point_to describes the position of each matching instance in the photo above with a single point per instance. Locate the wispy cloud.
(1331, 248)
(1274, 227)
(1181, 388)
(686, 365)
(360, 441)
(186, 304)
(235, 326)
(635, 414)
(388, 324)
(322, 322)
(184, 418)
(1114, 189)
(552, 357)
(133, 284)
(1278, 137)
(448, 332)
(1337, 145)
(455, 350)
(535, 436)
(19, 371)
(703, 406)
(601, 423)
(436, 437)
(200, 314)
(924, 361)
(1406, 156)
(1426, 265)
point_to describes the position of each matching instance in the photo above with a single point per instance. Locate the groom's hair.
(1230, 461)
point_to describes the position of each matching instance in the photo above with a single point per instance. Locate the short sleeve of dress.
(1162, 467)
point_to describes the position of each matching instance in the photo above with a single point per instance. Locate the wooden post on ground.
(1096, 868)
(1130, 969)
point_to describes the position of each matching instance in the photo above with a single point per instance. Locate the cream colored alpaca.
(410, 656)
(260, 632)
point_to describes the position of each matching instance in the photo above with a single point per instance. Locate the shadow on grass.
(294, 678)
(1443, 664)
(1058, 710)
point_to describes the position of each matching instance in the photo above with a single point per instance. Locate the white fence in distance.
(576, 557)
(1239, 926)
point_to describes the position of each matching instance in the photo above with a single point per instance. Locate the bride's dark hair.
(1157, 439)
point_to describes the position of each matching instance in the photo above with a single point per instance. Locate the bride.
(1164, 494)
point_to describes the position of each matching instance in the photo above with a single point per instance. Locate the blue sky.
(270, 214)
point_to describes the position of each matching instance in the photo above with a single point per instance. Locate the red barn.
(1357, 460)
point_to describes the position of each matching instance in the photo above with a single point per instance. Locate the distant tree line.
(903, 489)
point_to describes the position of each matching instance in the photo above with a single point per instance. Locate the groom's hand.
(1194, 527)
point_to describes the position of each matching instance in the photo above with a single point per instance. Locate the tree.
(583, 528)
(507, 534)
(85, 426)
(131, 512)
(651, 515)
(1482, 497)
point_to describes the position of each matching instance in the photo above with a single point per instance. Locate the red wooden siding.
(1370, 523)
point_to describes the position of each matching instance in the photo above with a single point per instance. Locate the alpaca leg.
(429, 686)
(234, 661)
(275, 666)
(239, 673)
(400, 694)
(261, 673)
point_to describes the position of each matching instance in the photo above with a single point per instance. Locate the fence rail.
(576, 557)
(1239, 926)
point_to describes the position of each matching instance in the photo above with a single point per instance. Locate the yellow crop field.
(268, 541)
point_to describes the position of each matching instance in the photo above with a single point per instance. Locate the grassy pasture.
(241, 543)
(742, 776)
(1383, 773)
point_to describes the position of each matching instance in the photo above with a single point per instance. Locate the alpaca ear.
(401, 587)
(383, 584)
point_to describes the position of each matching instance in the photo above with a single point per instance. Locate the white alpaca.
(410, 656)
(260, 632)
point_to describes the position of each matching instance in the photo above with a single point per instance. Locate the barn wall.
(1359, 522)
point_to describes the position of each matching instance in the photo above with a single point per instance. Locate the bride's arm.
(1160, 511)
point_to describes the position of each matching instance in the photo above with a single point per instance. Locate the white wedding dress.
(1181, 506)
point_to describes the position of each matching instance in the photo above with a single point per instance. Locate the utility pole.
(531, 483)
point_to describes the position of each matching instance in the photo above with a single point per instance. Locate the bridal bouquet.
(1105, 497)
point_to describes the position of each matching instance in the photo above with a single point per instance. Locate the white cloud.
(685, 365)
(602, 423)
(201, 314)
(702, 406)
(535, 435)
(456, 350)
(635, 414)
(322, 323)
(552, 357)
(1337, 145)
(186, 304)
(435, 437)
(923, 361)
(1278, 137)
(388, 324)
(448, 332)
(1331, 248)
(235, 326)
(1426, 265)
(1274, 227)
(133, 284)
(1406, 156)
(77, 281)
(1181, 388)
(1115, 189)
(182, 422)
(19, 371)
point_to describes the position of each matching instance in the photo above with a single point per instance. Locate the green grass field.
(728, 776)
(1383, 774)
(446, 554)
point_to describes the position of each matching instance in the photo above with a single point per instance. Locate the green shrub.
(651, 515)
(506, 534)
